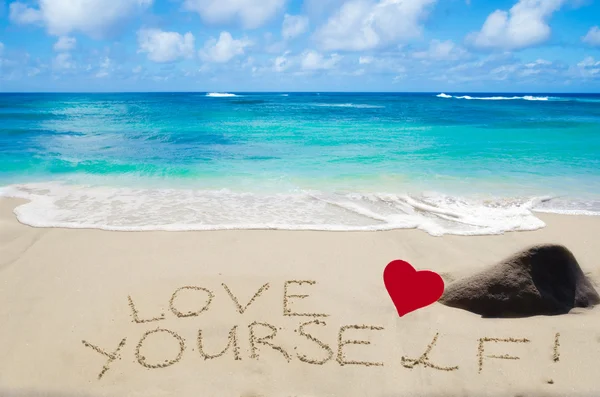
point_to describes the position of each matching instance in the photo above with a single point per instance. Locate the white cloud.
(106, 62)
(592, 37)
(441, 51)
(1, 48)
(385, 63)
(539, 62)
(63, 61)
(275, 48)
(524, 25)
(320, 8)
(21, 14)
(32, 72)
(61, 17)
(65, 43)
(365, 24)
(506, 68)
(293, 26)
(502, 72)
(223, 49)
(251, 13)
(542, 68)
(312, 60)
(588, 68)
(282, 63)
(165, 46)
(481, 69)
(588, 72)
(588, 62)
(105, 68)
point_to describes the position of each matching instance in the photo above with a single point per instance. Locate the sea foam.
(54, 204)
(220, 95)
(496, 98)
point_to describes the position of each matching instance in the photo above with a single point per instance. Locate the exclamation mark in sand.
(556, 355)
(556, 345)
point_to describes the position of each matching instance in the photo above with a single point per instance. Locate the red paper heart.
(409, 289)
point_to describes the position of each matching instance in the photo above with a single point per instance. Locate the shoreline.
(12, 203)
(63, 291)
(180, 210)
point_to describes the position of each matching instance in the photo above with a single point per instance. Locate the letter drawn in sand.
(286, 309)
(265, 340)
(341, 356)
(136, 317)
(232, 341)
(424, 359)
(556, 356)
(496, 340)
(111, 356)
(322, 345)
(190, 313)
(241, 309)
(167, 363)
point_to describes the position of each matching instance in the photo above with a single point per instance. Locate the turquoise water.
(459, 163)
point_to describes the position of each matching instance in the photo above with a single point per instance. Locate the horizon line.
(300, 92)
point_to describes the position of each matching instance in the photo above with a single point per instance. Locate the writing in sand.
(264, 336)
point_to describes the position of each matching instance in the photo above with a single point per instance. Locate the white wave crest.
(497, 98)
(536, 98)
(56, 204)
(220, 95)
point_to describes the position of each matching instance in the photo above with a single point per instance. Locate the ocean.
(445, 163)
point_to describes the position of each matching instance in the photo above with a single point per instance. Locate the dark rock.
(542, 280)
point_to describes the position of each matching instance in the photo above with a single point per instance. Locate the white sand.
(59, 287)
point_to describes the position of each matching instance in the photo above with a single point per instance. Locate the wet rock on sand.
(542, 280)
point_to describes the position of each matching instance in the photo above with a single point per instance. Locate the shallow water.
(196, 161)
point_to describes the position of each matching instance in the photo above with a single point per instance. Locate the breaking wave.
(496, 98)
(54, 204)
(220, 95)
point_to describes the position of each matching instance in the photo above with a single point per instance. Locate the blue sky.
(300, 45)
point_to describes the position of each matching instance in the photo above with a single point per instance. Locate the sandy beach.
(274, 313)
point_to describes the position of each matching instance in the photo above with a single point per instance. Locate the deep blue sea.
(441, 162)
